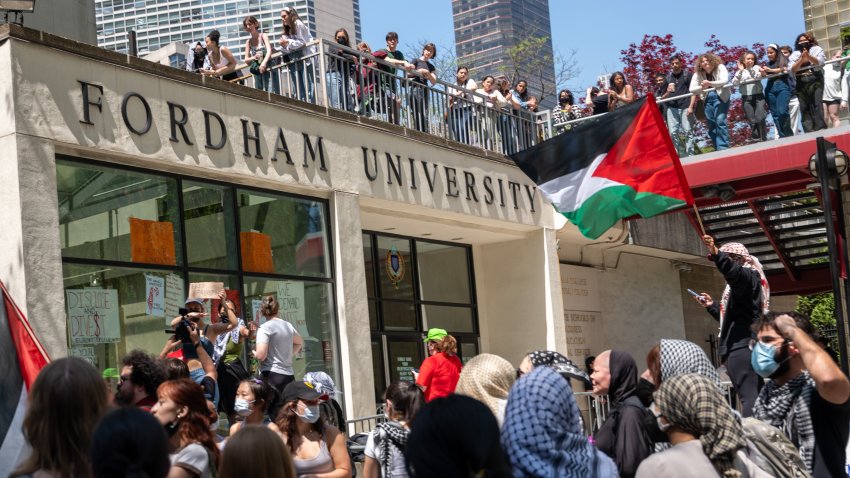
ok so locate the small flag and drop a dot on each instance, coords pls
(21, 359)
(615, 166)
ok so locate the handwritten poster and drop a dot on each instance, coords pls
(175, 296)
(85, 353)
(93, 316)
(155, 295)
(205, 290)
(290, 296)
(256, 305)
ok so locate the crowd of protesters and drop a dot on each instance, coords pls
(488, 418)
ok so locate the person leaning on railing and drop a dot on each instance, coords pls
(778, 90)
(620, 92)
(507, 117)
(295, 36)
(258, 55)
(834, 91)
(460, 105)
(367, 77)
(423, 72)
(752, 94)
(809, 81)
(388, 99)
(565, 111)
(222, 62)
(709, 81)
(494, 100)
(339, 73)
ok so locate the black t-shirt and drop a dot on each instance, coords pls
(744, 305)
(420, 64)
(683, 87)
(600, 104)
(832, 427)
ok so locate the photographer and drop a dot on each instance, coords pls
(194, 319)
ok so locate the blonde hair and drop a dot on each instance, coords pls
(258, 452)
(67, 400)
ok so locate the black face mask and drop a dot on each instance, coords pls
(802, 45)
(644, 391)
(563, 101)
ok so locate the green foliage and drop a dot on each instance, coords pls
(819, 307)
(531, 61)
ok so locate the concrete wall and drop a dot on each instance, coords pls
(72, 19)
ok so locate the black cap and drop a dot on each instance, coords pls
(301, 390)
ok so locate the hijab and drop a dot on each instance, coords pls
(559, 363)
(488, 378)
(679, 357)
(542, 433)
(624, 377)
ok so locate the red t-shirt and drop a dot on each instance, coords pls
(439, 374)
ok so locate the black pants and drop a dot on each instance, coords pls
(745, 380)
(277, 381)
(229, 376)
(810, 97)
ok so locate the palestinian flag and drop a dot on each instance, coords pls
(21, 359)
(614, 166)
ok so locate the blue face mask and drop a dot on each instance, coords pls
(763, 359)
(242, 407)
(311, 413)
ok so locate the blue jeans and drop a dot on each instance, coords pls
(268, 81)
(715, 114)
(461, 118)
(335, 90)
(301, 80)
(778, 95)
(197, 375)
(679, 124)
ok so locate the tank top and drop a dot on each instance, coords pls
(321, 463)
(222, 60)
(260, 48)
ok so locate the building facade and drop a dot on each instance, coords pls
(485, 30)
(825, 19)
(158, 23)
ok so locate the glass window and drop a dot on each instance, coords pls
(395, 268)
(282, 235)
(307, 306)
(369, 267)
(467, 351)
(210, 226)
(399, 315)
(113, 310)
(117, 215)
(378, 367)
(443, 272)
(453, 319)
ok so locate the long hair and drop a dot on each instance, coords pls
(66, 401)
(447, 344)
(292, 19)
(129, 442)
(347, 38)
(256, 452)
(287, 423)
(406, 398)
(810, 37)
(195, 426)
(713, 61)
(780, 61)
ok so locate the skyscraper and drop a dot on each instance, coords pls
(485, 30)
(159, 22)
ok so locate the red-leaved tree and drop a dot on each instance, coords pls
(641, 62)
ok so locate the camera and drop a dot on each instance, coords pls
(182, 329)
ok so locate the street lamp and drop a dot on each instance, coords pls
(17, 8)
(828, 165)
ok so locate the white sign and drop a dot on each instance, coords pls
(85, 353)
(582, 317)
(93, 316)
(175, 296)
(205, 290)
(155, 295)
(256, 305)
(290, 296)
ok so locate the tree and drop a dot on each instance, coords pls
(527, 61)
(641, 62)
(819, 307)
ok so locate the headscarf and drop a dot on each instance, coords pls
(693, 403)
(679, 357)
(559, 363)
(488, 378)
(750, 262)
(322, 382)
(542, 434)
(624, 377)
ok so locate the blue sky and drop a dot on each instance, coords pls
(599, 31)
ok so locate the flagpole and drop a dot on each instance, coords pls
(699, 220)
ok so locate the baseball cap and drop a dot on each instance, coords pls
(302, 390)
(111, 373)
(436, 334)
(194, 301)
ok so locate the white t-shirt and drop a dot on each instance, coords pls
(278, 334)
(375, 450)
(193, 458)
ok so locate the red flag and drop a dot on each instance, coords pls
(21, 359)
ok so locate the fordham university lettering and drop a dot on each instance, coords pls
(409, 172)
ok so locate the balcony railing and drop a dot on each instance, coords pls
(340, 78)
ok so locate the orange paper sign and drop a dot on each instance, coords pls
(152, 242)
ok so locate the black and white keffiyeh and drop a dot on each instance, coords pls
(679, 357)
(220, 346)
(788, 408)
(559, 363)
(393, 438)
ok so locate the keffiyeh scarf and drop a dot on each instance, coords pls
(220, 347)
(391, 433)
(679, 357)
(787, 407)
(559, 363)
(693, 403)
(542, 435)
(488, 378)
(750, 263)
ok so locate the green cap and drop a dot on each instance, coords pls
(436, 334)
(111, 373)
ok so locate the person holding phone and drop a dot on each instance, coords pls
(440, 372)
(745, 298)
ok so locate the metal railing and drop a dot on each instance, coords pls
(341, 78)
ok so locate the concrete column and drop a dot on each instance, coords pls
(31, 264)
(352, 306)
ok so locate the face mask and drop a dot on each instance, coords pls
(763, 360)
(661, 426)
(563, 101)
(242, 407)
(644, 391)
(214, 427)
(311, 413)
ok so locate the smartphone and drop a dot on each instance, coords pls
(415, 370)
(694, 293)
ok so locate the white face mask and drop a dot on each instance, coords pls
(242, 407)
(311, 413)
